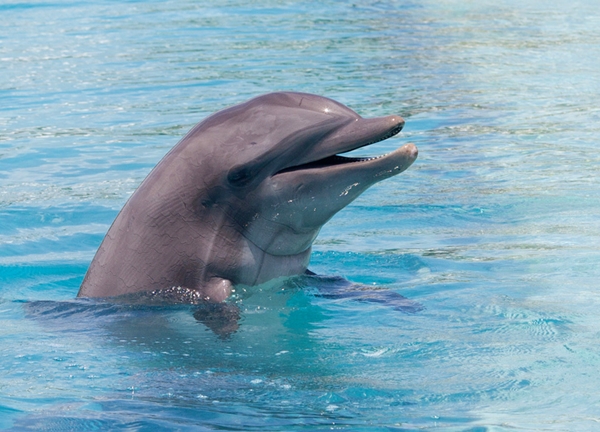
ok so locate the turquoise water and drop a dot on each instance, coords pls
(495, 229)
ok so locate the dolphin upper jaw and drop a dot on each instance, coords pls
(351, 135)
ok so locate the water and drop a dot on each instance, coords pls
(494, 230)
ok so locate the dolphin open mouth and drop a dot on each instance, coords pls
(329, 161)
(338, 159)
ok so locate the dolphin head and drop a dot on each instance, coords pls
(241, 198)
(285, 175)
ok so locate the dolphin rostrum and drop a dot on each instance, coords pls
(241, 198)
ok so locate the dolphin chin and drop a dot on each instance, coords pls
(241, 198)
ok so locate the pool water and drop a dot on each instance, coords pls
(494, 231)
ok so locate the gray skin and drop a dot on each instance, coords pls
(241, 198)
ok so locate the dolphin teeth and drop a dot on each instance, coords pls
(331, 161)
(367, 159)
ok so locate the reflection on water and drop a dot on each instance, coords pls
(493, 231)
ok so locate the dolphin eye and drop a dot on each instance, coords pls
(239, 176)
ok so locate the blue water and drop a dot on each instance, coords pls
(495, 229)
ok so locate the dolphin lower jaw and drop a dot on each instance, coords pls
(299, 200)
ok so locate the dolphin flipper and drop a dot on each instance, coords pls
(340, 288)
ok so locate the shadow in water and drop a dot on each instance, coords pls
(223, 319)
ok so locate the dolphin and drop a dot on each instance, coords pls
(241, 198)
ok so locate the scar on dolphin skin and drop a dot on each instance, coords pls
(241, 198)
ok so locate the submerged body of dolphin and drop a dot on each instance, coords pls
(241, 198)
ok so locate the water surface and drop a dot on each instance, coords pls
(494, 230)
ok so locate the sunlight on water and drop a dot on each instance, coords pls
(493, 232)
